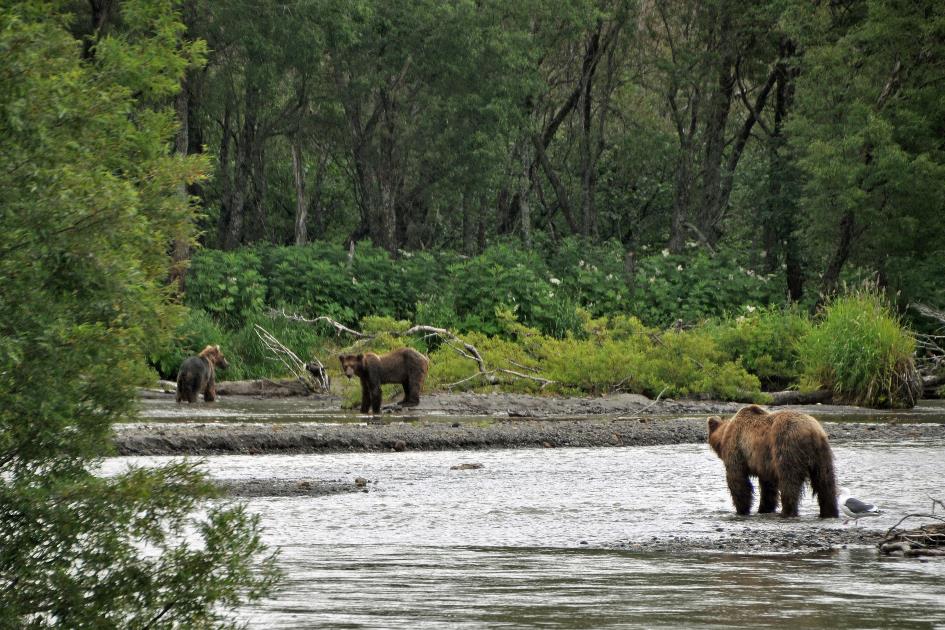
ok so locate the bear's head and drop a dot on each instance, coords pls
(715, 435)
(351, 364)
(215, 357)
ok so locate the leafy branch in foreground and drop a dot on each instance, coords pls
(90, 198)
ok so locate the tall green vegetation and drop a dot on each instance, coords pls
(90, 198)
(861, 352)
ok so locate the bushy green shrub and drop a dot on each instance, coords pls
(590, 275)
(313, 280)
(765, 340)
(631, 359)
(861, 351)
(507, 277)
(228, 285)
(696, 286)
(688, 363)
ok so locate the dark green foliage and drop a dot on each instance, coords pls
(227, 285)
(504, 277)
(765, 340)
(696, 286)
(89, 201)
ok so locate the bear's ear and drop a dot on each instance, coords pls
(714, 423)
(360, 357)
(755, 409)
(217, 347)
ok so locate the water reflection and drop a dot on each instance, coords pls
(435, 587)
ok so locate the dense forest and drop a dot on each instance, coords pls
(447, 162)
(793, 135)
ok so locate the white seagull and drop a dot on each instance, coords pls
(856, 509)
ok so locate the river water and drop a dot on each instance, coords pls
(528, 541)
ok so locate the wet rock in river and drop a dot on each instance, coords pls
(469, 466)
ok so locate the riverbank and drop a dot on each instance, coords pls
(795, 538)
(297, 438)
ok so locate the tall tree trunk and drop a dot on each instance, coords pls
(588, 163)
(779, 225)
(301, 206)
(720, 104)
(682, 189)
(560, 192)
(180, 253)
(524, 209)
(847, 233)
(469, 225)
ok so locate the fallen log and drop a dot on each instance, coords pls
(263, 387)
(792, 397)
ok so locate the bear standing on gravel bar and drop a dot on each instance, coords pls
(782, 449)
(197, 375)
(404, 365)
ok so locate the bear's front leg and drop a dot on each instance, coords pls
(769, 496)
(376, 399)
(210, 394)
(741, 489)
(365, 395)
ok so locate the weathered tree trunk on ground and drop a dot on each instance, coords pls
(791, 397)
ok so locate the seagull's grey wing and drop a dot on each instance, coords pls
(858, 507)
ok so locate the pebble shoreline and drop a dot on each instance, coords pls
(427, 435)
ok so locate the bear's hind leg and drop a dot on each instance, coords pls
(416, 382)
(791, 491)
(825, 487)
(741, 490)
(769, 496)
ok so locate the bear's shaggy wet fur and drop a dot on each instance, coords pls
(782, 449)
(197, 375)
(404, 365)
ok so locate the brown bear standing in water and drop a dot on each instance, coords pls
(197, 375)
(404, 365)
(783, 449)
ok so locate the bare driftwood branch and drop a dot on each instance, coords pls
(928, 311)
(930, 359)
(324, 319)
(640, 411)
(311, 375)
(926, 540)
(463, 348)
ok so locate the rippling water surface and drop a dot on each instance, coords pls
(519, 542)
